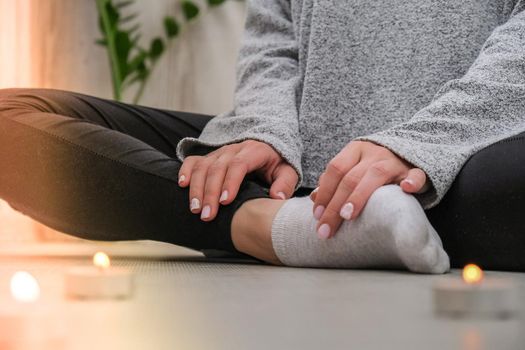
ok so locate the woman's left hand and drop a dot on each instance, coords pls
(352, 176)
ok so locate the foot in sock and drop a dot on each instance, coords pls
(391, 232)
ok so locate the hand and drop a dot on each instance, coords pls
(352, 176)
(216, 177)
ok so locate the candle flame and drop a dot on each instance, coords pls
(101, 260)
(24, 287)
(472, 274)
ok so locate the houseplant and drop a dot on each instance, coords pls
(131, 63)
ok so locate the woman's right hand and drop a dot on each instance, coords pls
(216, 177)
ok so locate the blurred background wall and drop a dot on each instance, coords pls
(51, 44)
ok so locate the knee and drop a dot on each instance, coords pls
(22, 99)
(7, 97)
(7, 94)
(11, 94)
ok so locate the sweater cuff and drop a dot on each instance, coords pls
(440, 163)
(189, 146)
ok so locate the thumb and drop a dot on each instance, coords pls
(284, 181)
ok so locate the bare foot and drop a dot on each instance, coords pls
(252, 228)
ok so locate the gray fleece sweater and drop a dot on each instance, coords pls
(433, 81)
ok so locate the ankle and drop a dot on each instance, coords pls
(252, 228)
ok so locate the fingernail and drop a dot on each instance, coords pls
(324, 231)
(281, 195)
(410, 181)
(181, 179)
(206, 212)
(318, 212)
(195, 204)
(224, 196)
(346, 211)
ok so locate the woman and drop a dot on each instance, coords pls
(340, 96)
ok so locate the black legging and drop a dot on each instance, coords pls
(105, 170)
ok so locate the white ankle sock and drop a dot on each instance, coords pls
(391, 232)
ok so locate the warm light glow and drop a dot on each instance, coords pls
(101, 260)
(16, 44)
(24, 287)
(472, 274)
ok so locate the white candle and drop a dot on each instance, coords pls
(475, 296)
(99, 281)
(25, 322)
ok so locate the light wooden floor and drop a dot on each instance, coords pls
(186, 302)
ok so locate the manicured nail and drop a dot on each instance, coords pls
(318, 212)
(410, 181)
(181, 179)
(281, 195)
(205, 212)
(324, 231)
(195, 204)
(224, 196)
(346, 211)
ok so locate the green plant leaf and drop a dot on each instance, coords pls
(122, 4)
(189, 9)
(156, 48)
(137, 61)
(171, 27)
(215, 2)
(128, 18)
(133, 29)
(141, 73)
(113, 15)
(133, 79)
(123, 48)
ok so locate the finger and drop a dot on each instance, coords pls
(313, 194)
(186, 169)
(415, 181)
(245, 161)
(331, 219)
(285, 180)
(198, 181)
(213, 187)
(237, 170)
(338, 167)
(377, 175)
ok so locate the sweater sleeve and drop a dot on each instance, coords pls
(265, 97)
(468, 114)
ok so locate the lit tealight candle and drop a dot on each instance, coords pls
(99, 281)
(474, 295)
(25, 322)
(24, 287)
